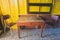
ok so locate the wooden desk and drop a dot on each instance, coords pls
(27, 22)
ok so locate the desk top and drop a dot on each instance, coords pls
(30, 19)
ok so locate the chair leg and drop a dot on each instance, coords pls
(11, 31)
(4, 26)
(18, 31)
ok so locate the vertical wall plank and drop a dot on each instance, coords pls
(5, 9)
(22, 7)
(14, 11)
(56, 9)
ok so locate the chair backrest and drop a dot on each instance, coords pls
(54, 17)
(6, 17)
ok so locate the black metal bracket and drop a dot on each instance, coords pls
(40, 4)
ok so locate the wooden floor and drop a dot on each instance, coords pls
(33, 34)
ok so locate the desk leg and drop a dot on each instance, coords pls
(18, 31)
(42, 28)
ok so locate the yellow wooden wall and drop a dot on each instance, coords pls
(5, 9)
(42, 8)
(40, 1)
(22, 7)
(56, 9)
(0, 6)
(22, 4)
(14, 12)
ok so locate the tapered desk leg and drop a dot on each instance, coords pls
(42, 29)
(18, 31)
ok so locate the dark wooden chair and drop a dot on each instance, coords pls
(6, 25)
(48, 21)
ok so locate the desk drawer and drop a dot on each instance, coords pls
(30, 23)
